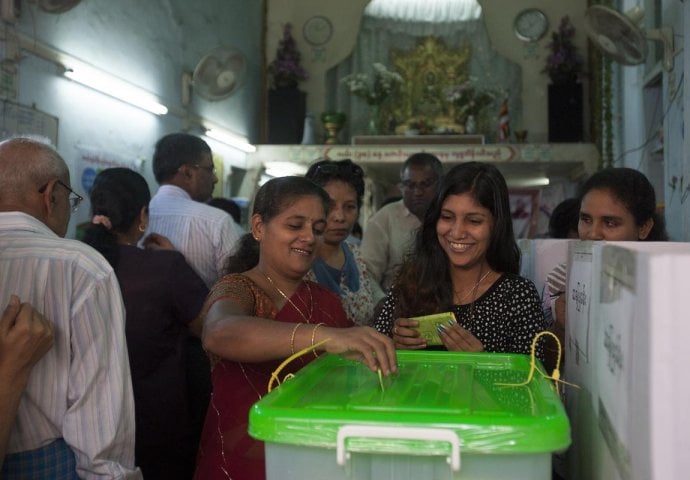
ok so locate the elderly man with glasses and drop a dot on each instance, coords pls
(390, 232)
(76, 416)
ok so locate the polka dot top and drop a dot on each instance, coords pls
(505, 319)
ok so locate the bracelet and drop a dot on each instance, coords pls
(292, 338)
(313, 335)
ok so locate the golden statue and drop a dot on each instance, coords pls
(428, 71)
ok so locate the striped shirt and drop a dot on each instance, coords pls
(388, 237)
(81, 390)
(205, 235)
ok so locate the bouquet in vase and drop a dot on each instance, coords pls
(467, 100)
(374, 89)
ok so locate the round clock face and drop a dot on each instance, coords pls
(531, 25)
(317, 30)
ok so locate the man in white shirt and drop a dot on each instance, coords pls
(390, 232)
(205, 235)
(76, 417)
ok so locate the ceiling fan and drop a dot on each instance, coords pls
(217, 75)
(621, 37)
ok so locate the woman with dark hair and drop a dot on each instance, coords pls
(466, 261)
(616, 204)
(163, 297)
(619, 204)
(564, 219)
(339, 265)
(262, 312)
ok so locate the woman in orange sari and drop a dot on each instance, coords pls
(257, 318)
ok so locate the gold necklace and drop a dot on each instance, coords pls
(282, 294)
(473, 289)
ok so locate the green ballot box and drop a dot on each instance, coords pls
(444, 415)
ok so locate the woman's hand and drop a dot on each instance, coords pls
(406, 335)
(363, 344)
(155, 241)
(458, 339)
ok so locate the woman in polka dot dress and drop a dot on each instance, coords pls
(465, 260)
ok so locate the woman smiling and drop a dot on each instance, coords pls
(465, 261)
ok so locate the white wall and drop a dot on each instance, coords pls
(149, 44)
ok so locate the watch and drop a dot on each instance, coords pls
(317, 30)
(531, 24)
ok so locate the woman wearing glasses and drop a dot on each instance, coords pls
(339, 265)
(163, 297)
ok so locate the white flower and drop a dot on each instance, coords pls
(375, 90)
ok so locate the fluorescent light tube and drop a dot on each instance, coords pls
(231, 139)
(284, 169)
(115, 88)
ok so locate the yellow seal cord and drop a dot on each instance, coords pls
(555, 375)
(274, 375)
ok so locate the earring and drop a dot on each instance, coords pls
(142, 227)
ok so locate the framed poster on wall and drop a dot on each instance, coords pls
(524, 209)
(16, 119)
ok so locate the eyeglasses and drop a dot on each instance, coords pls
(209, 168)
(423, 185)
(345, 167)
(74, 200)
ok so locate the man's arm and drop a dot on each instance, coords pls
(25, 336)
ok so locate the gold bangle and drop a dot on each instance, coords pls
(292, 338)
(313, 335)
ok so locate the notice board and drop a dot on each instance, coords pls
(16, 119)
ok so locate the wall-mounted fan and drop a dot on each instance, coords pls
(217, 75)
(56, 6)
(620, 36)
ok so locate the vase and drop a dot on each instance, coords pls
(565, 112)
(286, 111)
(374, 126)
(470, 125)
(332, 122)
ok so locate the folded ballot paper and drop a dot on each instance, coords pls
(428, 326)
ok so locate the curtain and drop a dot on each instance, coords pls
(378, 36)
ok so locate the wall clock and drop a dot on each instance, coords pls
(317, 30)
(531, 24)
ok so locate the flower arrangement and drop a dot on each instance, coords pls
(285, 70)
(375, 89)
(563, 64)
(467, 99)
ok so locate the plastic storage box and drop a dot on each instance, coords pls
(443, 416)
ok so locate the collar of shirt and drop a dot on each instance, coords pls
(20, 221)
(173, 191)
(404, 209)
